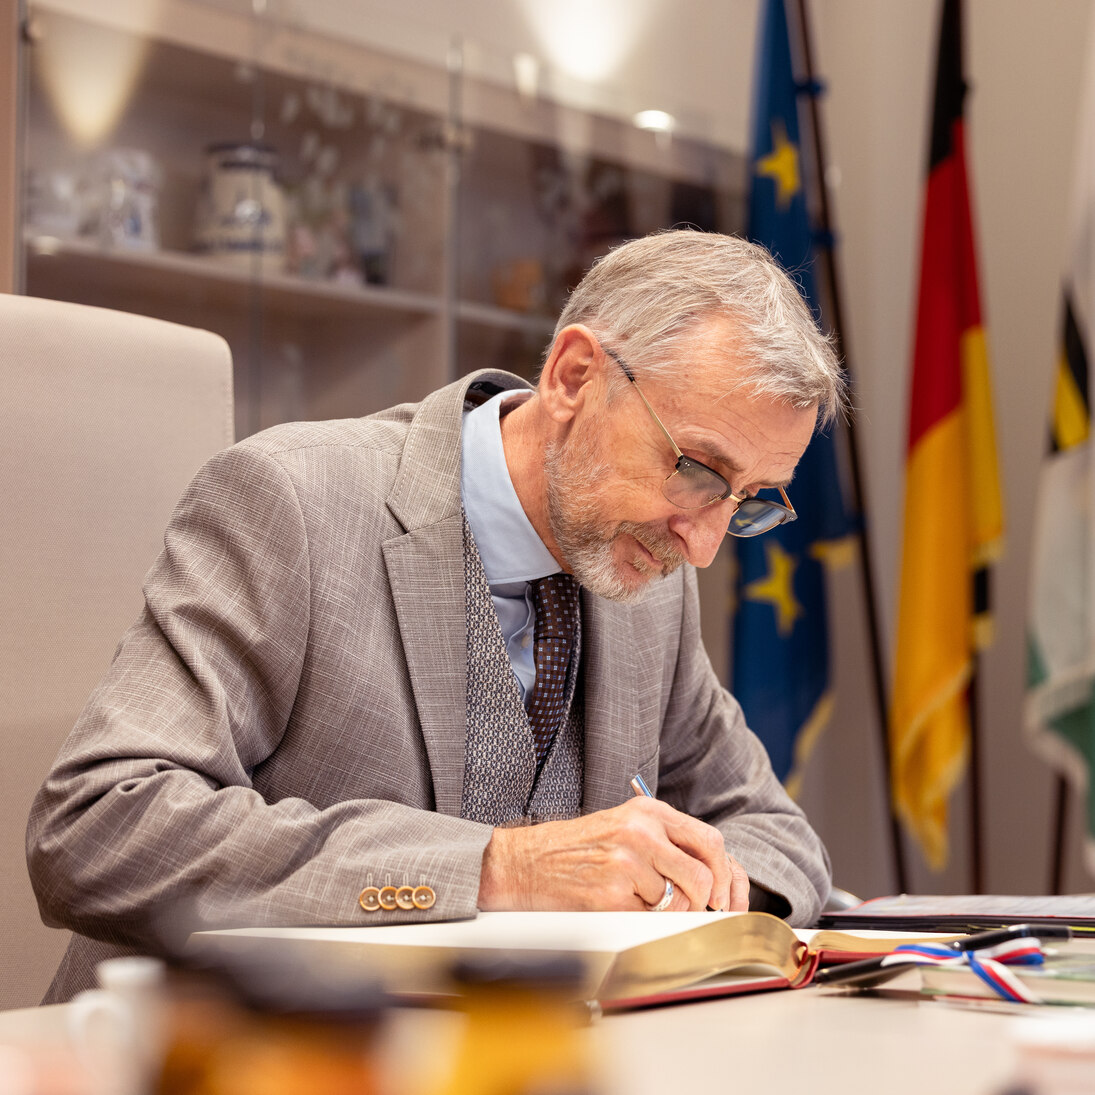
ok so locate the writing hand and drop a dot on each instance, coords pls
(615, 859)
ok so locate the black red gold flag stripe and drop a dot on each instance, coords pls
(953, 513)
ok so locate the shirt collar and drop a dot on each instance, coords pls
(508, 545)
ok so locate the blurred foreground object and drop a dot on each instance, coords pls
(523, 1028)
(1056, 1054)
(271, 1029)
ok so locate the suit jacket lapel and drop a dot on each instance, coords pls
(426, 575)
(621, 700)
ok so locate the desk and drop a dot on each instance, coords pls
(816, 1040)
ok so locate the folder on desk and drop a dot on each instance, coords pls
(630, 959)
(965, 912)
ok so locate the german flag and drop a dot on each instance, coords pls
(953, 524)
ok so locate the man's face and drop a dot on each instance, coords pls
(614, 527)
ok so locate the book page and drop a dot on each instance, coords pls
(577, 932)
(867, 940)
(622, 953)
(607, 932)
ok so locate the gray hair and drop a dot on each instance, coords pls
(646, 297)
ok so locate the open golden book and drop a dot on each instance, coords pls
(630, 959)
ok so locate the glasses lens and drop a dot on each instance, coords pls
(757, 515)
(694, 485)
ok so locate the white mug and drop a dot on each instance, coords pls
(117, 1029)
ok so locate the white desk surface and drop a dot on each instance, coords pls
(816, 1040)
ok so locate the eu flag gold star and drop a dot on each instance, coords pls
(776, 588)
(781, 165)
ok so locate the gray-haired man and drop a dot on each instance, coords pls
(335, 708)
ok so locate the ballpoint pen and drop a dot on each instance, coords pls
(873, 971)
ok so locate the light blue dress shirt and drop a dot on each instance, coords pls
(513, 554)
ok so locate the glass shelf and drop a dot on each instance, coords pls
(67, 268)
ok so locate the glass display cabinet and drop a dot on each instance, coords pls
(361, 224)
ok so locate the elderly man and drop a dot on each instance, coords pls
(405, 667)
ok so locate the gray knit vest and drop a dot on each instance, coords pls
(501, 783)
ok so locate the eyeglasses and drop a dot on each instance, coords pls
(692, 485)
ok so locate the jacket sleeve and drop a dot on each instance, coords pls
(149, 821)
(712, 766)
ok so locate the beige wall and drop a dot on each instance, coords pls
(692, 58)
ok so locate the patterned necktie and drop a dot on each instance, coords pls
(555, 599)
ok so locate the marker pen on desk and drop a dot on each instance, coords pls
(638, 785)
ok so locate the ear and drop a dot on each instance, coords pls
(572, 374)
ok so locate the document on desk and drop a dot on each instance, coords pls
(629, 959)
(965, 912)
(1063, 978)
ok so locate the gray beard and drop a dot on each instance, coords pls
(586, 542)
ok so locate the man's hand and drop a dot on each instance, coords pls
(613, 859)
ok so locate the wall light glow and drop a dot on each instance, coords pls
(526, 74)
(587, 41)
(656, 120)
(89, 73)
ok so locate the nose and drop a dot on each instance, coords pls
(703, 530)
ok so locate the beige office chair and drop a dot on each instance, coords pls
(104, 418)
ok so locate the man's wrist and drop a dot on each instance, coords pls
(497, 884)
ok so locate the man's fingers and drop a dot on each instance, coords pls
(654, 867)
(703, 845)
(739, 886)
(613, 859)
(691, 877)
(654, 893)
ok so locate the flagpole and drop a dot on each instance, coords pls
(977, 873)
(1060, 808)
(865, 559)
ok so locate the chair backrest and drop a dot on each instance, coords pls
(104, 418)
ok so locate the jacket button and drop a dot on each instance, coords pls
(424, 897)
(404, 897)
(387, 898)
(369, 899)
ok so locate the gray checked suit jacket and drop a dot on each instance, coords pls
(284, 724)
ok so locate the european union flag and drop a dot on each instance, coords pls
(780, 670)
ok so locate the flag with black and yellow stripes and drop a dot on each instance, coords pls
(1060, 707)
(953, 523)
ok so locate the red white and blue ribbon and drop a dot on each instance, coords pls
(990, 964)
